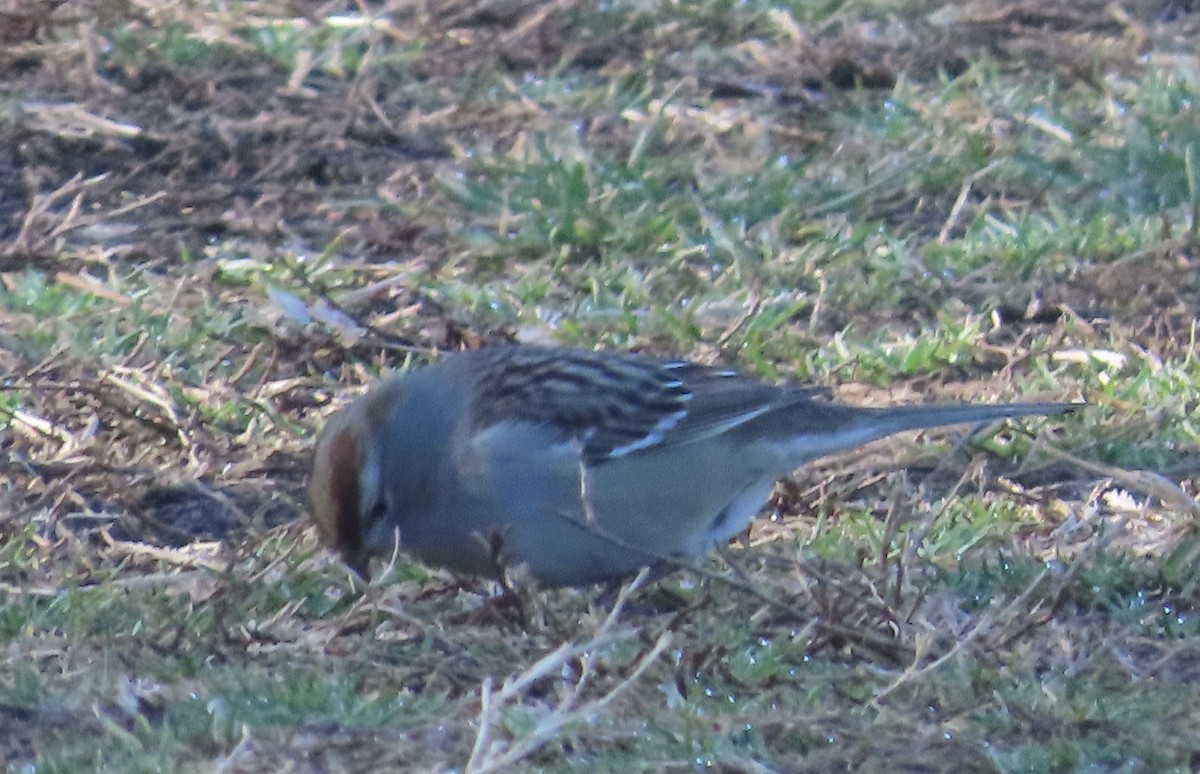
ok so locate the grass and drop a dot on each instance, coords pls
(903, 201)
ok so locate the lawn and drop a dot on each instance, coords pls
(221, 221)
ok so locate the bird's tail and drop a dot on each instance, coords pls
(897, 419)
(839, 427)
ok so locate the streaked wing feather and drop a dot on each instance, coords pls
(608, 404)
(616, 405)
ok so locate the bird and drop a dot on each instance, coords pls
(583, 466)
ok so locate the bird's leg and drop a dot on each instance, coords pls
(610, 590)
(512, 595)
(733, 564)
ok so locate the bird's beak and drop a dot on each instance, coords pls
(360, 561)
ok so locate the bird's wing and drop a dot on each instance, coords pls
(615, 405)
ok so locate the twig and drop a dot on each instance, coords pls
(384, 338)
(489, 756)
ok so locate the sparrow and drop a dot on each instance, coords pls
(583, 466)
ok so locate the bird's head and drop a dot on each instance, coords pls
(344, 486)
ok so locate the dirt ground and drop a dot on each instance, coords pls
(106, 168)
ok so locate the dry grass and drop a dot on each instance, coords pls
(220, 221)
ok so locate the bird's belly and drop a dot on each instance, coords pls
(557, 546)
(571, 527)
